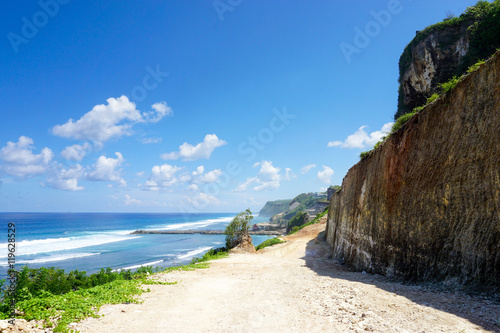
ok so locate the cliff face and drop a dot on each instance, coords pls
(274, 207)
(426, 204)
(434, 60)
(444, 50)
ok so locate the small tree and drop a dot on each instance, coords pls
(238, 228)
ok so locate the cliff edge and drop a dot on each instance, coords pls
(426, 204)
(444, 50)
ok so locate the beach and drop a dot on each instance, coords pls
(293, 287)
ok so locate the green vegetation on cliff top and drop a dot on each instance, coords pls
(403, 119)
(482, 22)
(274, 207)
(484, 25)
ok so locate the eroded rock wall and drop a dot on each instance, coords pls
(426, 204)
(434, 61)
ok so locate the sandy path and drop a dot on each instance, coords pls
(292, 287)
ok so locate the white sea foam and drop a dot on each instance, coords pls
(30, 247)
(192, 253)
(141, 265)
(194, 225)
(59, 257)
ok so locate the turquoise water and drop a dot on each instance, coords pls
(91, 241)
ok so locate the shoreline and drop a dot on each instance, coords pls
(202, 232)
(293, 286)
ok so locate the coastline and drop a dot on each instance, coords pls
(292, 287)
(289, 287)
(201, 232)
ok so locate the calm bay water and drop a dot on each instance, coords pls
(91, 241)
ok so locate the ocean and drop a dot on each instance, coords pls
(91, 241)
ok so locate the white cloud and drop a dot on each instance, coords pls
(151, 140)
(19, 160)
(65, 179)
(210, 177)
(193, 187)
(289, 175)
(185, 178)
(113, 120)
(202, 200)
(268, 178)
(202, 150)
(129, 201)
(162, 176)
(160, 110)
(103, 122)
(107, 169)
(361, 139)
(325, 175)
(307, 168)
(199, 170)
(76, 152)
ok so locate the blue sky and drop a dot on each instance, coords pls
(194, 106)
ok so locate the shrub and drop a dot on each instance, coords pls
(449, 85)
(365, 154)
(212, 254)
(316, 219)
(432, 98)
(401, 121)
(269, 242)
(298, 220)
(238, 228)
(475, 66)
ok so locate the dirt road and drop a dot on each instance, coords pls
(292, 287)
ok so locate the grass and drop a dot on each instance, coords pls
(40, 299)
(269, 242)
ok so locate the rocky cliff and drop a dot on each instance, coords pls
(426, 204)
(274, 207)
(444, 50)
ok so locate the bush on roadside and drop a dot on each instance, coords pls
(269, 242)
(238, 228)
